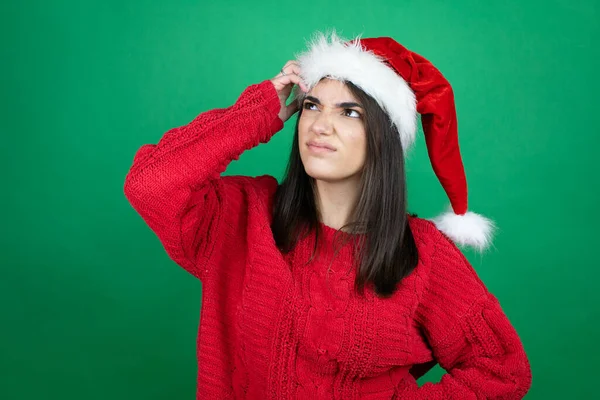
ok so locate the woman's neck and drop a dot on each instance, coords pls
(335, 201)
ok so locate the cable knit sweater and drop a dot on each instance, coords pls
(273, 326)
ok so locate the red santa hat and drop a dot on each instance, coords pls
(404, 83)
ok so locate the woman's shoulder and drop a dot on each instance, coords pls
(425, 233)
(439, 257)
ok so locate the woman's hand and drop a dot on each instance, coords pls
(284, 84)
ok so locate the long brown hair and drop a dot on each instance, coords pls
(386, 251)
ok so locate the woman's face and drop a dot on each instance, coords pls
(330, 118)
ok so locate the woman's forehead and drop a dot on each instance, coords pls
(332, 91)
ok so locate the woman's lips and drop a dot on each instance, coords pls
(318, 149)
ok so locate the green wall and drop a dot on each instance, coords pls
(92, 307)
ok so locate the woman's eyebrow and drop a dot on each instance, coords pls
(346, 104)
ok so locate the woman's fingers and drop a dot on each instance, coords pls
(293, 74)
(293, 78)
(291, 65)
(289, 75)
(289, 79)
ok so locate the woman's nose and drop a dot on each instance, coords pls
(323, 124)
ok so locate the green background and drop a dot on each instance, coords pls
(92, 307)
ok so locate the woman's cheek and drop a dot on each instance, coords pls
(359, 149)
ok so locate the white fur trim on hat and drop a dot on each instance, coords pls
(342, 60)
(469, 229)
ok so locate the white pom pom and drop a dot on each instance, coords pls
(469, 229)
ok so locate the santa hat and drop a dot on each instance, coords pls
(404, 83)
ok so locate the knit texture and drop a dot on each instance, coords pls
(277, 326)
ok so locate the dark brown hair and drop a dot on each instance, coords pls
(385, 251)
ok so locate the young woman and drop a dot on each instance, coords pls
(323, 286)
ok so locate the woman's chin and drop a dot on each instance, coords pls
(328, 171)
(322, 174)
(329, 174)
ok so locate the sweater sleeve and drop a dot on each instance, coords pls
(470, 336)
(176, 184)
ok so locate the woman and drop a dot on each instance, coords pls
(324, 287)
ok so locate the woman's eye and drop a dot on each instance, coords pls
(308, 105)
(349, 110)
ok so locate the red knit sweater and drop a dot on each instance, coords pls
(274, 327)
